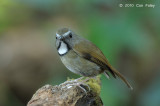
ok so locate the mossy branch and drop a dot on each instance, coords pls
(70, 93)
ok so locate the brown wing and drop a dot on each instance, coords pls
(89, 51)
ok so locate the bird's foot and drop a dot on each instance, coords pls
(82, 85)
(79, 78)
(83, 82)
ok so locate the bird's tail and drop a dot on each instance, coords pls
(112, 70)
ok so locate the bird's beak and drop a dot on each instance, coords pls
(59, 36)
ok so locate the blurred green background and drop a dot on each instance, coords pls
(129, 38)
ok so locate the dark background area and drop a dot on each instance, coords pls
(129, 38)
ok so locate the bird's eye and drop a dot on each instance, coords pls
(70, 35)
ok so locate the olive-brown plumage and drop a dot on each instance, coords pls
(82, 56)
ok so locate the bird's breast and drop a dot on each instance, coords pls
(79, 65)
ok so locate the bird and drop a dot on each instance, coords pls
(82, 57)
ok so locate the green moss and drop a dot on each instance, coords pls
(70, 79)
(95, 85)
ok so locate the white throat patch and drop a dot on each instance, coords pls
(63, 48)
